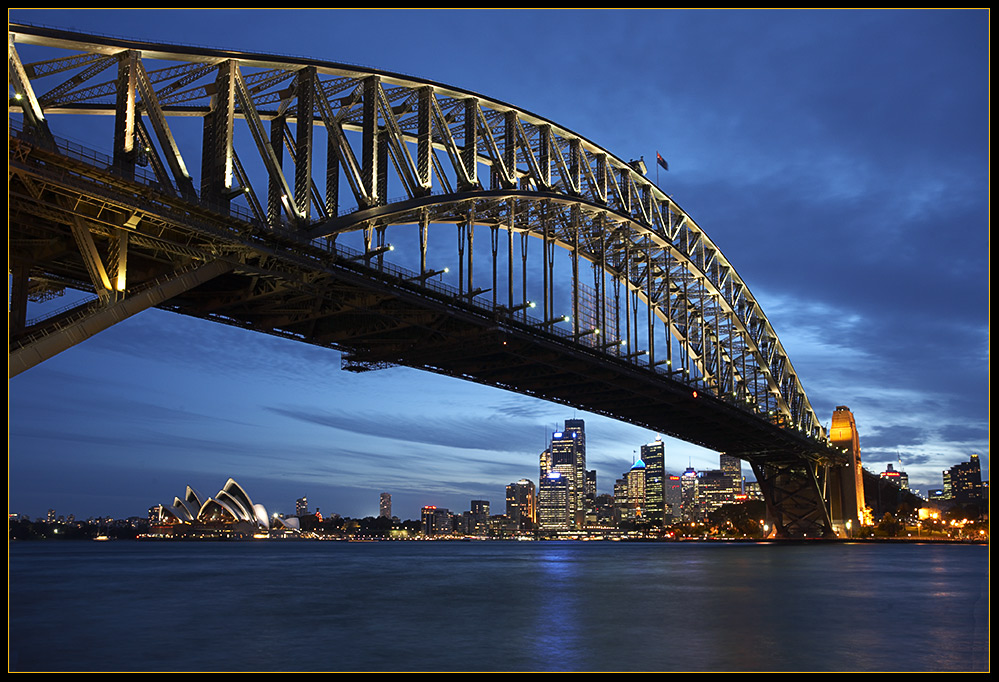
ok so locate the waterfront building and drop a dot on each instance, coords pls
(966, 481)
(385, 506)
(621, 495)
(731, 466)
(899, 478)
(752, 489)
(435, 521)
(302, 506)
(714, 490)
(689, 503)
(155, 514)
(521, 504)
(478, 517)
(568, 457)
(654, 507)
(672, 497)
(230, 513)
(636, 488)
(554, 506)
(544, 464)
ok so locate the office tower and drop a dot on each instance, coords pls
(654, 509)
(689, 504)
(732, 467)
(554, 511)
(636, 487)
(621, 495)
(435, 521)
(966, 481)
(544, 464)
(385, 506)
(521, 504)
(578, 428)
(478, 517)
(302, 506)
(714, 490)
(672, 496)
(155, 514)
(591, 484)
(568, 457)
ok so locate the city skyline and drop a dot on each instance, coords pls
(861, 152)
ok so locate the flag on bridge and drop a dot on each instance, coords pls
(661, 161)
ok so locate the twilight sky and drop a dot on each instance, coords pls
(838, 158)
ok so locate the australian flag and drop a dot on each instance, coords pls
(661, 161)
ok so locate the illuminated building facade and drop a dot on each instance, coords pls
(654, 508)
(568, 457)
(436, 521)
(899, 478)
(521, 504)
(672, 497)
(385, 506)
(690, 509)
(636, 489)
(544, 464)
(714, 490)
(732, 467)
(847, 483)
(554, 511)
(966, 481)
(229, 513)
(302, 506)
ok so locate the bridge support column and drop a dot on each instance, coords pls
(795, 503)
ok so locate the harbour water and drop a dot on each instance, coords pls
(496, 606)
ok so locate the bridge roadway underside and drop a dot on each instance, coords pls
(279, 283)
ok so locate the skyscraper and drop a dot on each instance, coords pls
(673, 497)
(654, 456)
(302, 506)
(568, 457)
(544, 464)
(435, 521)
(521, 504)
(554, 512)
(732, 467)
(636, 489)
(966, 481)
(385, 506)
(690, 504)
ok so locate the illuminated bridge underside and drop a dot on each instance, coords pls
(571, 277)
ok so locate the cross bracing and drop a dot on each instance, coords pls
(333, 157)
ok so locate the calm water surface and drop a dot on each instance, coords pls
(553, 606)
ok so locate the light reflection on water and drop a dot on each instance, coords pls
(496, 606)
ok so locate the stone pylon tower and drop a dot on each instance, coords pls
(847, 483)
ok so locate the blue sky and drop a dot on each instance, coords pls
(838, 158)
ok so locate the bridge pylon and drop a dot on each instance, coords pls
(846, 483)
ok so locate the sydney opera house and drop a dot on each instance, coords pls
(230, 513)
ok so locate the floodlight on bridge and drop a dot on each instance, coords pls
(423, 277)
(517, 308)
(556, 320)
(372, 253)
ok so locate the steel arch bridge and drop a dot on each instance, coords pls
(329, 198)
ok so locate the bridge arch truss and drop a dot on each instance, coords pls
(539, 226)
